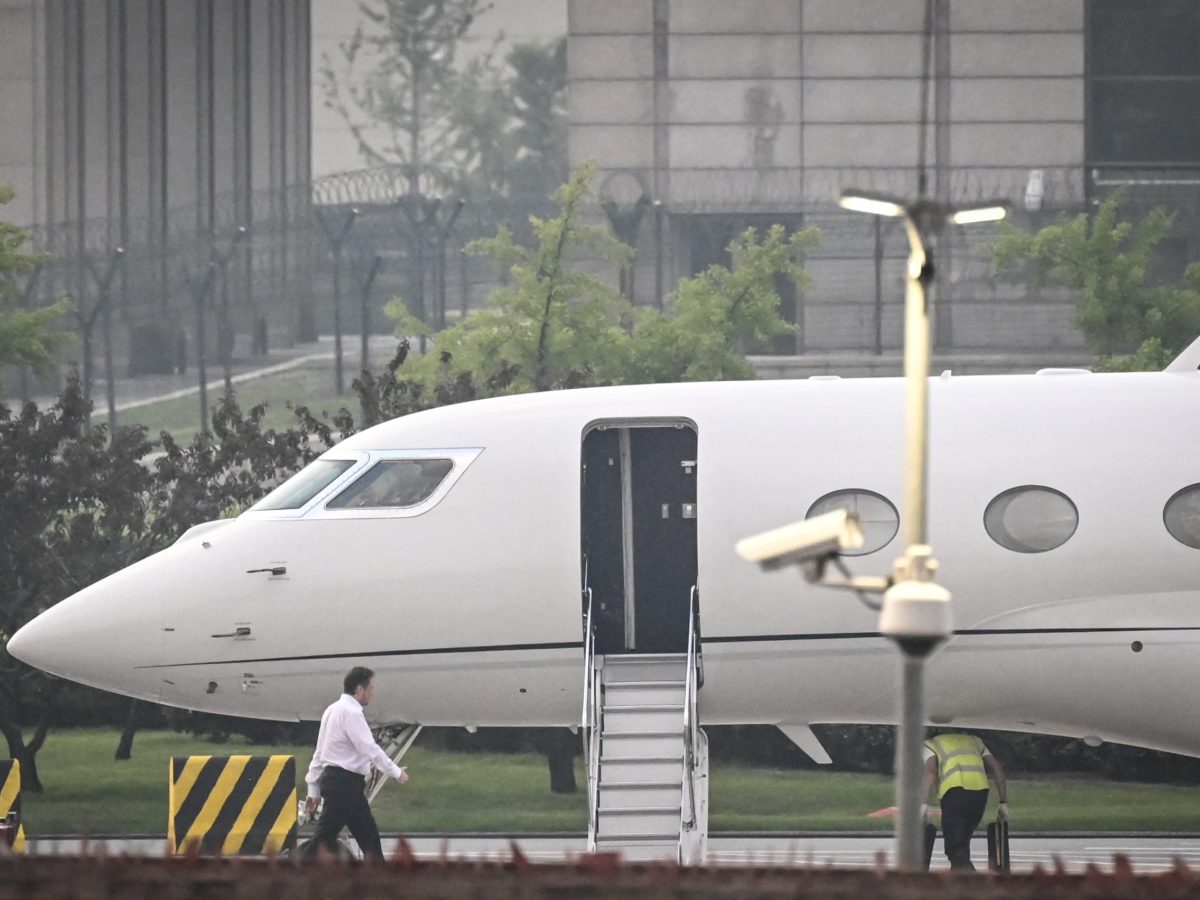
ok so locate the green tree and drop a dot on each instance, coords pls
(398, 86)
(1128, 320)
(538, 91)
(28, 337)
(476, 128)
(555, 324)
(551, 325)
(71, 512)
(715, 314)
(78, 504)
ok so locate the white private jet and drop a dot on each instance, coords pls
(447, 550)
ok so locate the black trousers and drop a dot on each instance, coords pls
(345, 807)
(962, 811)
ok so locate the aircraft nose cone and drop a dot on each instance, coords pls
(59, 643)
(27, 644)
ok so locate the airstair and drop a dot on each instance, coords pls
(647, 759)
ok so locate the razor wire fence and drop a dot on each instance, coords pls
(276, 287)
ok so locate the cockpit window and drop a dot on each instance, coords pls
(304, 485)
(1182, 516)
(394, 483)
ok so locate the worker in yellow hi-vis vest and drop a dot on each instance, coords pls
(959, 764)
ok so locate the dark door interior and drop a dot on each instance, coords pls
(649, 572)
(603, 553)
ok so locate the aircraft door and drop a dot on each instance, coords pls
(639, 534)
(603, 549)
(664, 529)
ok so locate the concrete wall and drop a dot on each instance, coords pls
(788, 94)
(160, 126)
(735, 108)
(506, 23)
(21, 86)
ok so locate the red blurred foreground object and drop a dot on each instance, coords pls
(590, 877)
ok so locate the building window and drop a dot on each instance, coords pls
(877, 515)
(1181, 515)
(1031, 519)
(1144, 81)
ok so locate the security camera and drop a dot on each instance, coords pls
(809, 544)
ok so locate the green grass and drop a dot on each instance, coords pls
(747, 798)
(87, 792)
(310, 386)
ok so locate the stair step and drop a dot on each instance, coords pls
(647, 769)
(641, 847)
(651, 683)
(626, 658)
(623, 669)
(641, 719)
(671, 840)
(648, 743)
(636, 693)
(660, 820)
(618, 785)
(625, 795)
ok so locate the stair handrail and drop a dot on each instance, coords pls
(590, 721)
(692, 683)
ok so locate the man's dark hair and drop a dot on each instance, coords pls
(359, 676)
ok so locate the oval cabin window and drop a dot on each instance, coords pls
(878, 516)
(1181, 515)
(1031, 519)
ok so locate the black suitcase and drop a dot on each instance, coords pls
(997, 838)
(930, 837)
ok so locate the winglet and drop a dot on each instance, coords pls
(802, 736)
(1188, 360)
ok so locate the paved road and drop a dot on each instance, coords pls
(1148, 854)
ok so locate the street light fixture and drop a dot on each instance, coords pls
(916, 610)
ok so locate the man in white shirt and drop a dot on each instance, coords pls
(345, 753)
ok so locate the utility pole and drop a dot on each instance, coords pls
(200, 287)
(916, 610)
(366, 267)
(443, 231)
(336, 235)
(87, 325)
(225, 328)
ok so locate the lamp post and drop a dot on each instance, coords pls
(225, 329)
(659, 209)
(337, 237)
(443, 232)
(200, 286)
(367, 264)
(421, 213)
(626, 221)
(916, 610)
(87, 325)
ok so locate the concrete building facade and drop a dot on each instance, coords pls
(728, 114)
(164, 129)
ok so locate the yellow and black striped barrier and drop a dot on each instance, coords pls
(10, 798)
(232, 804)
